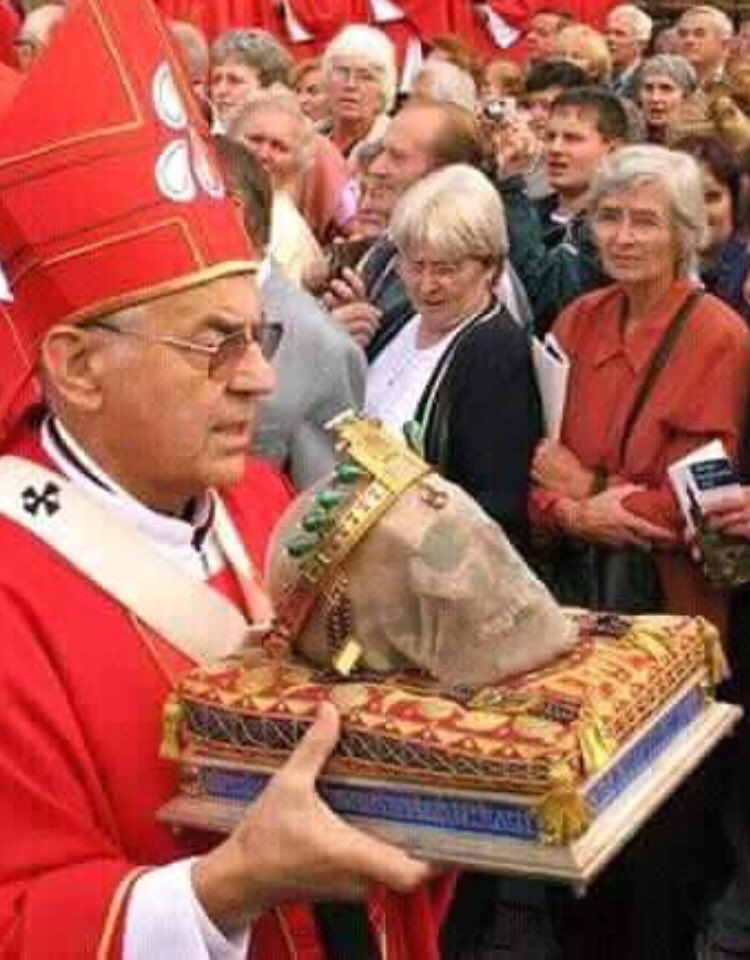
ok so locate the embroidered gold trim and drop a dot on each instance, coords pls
(158, 290)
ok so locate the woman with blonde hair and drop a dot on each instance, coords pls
(457, 375)
(587, 48)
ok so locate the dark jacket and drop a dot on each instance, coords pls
(555, 263)
(386, 290)
(480, 417)
(725, 275)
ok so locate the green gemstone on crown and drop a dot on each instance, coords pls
(317, 521)
(302, 545)
(329, 499)
(348, 473)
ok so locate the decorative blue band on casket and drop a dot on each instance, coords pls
(465, 814)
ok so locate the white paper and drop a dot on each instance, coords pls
(552, 367)
(5, 292)
(500, 30)
(297, 32)
(707, 475)
(386, 11)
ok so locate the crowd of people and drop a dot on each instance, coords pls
(418, 220)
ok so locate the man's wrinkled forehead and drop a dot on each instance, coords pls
(228, 302)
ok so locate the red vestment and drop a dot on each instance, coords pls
(80, 777)
(323, 19)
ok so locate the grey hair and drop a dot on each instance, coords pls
(372, 47)
(258, 50)
(275, 99)
(449, 84)
(724, 26)
(670, 65)
(455, 212)
(677, 172)
(640, 22)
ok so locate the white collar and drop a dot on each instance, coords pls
(264, 271)
(191, 543)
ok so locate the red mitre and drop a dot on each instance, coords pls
(109, 191)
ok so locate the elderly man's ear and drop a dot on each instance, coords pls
(73, 366)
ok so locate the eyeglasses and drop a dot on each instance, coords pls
(223, 357)
(643, 224)
(441, 270)
(357, 75)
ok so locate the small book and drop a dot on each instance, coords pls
(552, 367)
(702, 479)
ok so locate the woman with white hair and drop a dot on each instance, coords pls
(359, 69)
(457, 376)
(273, 128)
(658, 368)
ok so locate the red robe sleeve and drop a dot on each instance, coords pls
(61, 867)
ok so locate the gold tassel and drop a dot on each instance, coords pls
(597, 746)
(172, 716)
(563, 814)
(716, 661)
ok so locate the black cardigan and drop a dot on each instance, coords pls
(481, 419)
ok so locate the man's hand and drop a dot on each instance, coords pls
(604, 519)
(557, 468)
(515, 146)
(346, 288)
(291, 846)
(361, 319)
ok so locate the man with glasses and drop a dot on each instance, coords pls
(133, 357)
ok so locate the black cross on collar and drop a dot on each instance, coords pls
(48, 498)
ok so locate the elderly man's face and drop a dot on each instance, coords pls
(542, 37)
(274, 138)
(172, 428)
(354, 90)
(230, 85)
(408, 148)
(621, 40)
(700, 42)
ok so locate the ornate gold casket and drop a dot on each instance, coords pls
(445, 748)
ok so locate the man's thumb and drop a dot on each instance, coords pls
(315, 748)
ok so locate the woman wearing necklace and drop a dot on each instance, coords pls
(458, 374)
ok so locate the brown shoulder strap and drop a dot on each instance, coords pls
(658, 362)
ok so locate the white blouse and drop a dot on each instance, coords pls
(400, 373)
